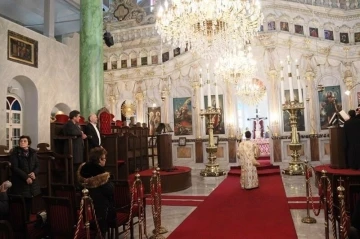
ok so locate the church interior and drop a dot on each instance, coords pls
(175, 85)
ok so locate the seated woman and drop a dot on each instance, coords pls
(248, 152)
(25, 166)
(101, 190)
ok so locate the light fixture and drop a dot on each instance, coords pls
(347, 92)
(236, 66)
(251, 91)
(208, 27)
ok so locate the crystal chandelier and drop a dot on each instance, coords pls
(236, 66)
(208, 26)
(251, 91)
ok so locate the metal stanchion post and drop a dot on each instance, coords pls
(343, 215)
(307, 219)
(326, 209)
(156, 205)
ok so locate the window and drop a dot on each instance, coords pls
(13, 121)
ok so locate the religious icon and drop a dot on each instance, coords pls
(154, 59)
(299, 29)
(313, 32)
(284, 26)
(219, 119)
(329, 35)
(182, 116)
(261, 28)
(113, 65)
(357, 36)
(133, 62)
(144, 61)
(358, 97)
(154, 118)
(271, 26)
(330, 103)
(344, 37)
(165, 56)
(123, 63)
(177, 51)
(300, 113)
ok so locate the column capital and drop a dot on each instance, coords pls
(273, 74)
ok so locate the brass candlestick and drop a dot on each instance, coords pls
(211, 168)
(296, 166)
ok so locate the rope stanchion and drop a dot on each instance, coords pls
(155, 190)
(325, 199)
(137, 195)
(87, 202)
(307, 219)
(343, 216)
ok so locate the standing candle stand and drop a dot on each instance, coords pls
(211, 168)
(296, 166)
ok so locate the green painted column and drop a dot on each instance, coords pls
(91, 57)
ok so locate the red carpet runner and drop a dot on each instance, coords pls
(232, 213)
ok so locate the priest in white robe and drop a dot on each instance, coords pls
(248, 152)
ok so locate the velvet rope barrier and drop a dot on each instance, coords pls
(86, 202)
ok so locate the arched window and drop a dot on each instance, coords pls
(13, 121)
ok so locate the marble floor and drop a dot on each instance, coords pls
(172, 216)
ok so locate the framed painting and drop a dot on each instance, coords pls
(144, 61)
(216, 140)
(300, 113)
(284, 26)
(344, 37)
(329, 102)
(219, 119)
(114, 65)
(329, 35)
(313, 32)
(165, 57)
(357, 36)
(154, 59)
(299, 29)
(182, 116)
(182, 141)
(123, 63)
(176, 51)
(133, 62)
(22, 49)
(154, 119)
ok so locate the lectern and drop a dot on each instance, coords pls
(337, 147)
(164, 150)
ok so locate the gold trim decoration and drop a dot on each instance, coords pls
(22, 49)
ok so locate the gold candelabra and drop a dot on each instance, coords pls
(211, 168)
(296, 166)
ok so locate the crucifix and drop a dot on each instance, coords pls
(258, 125)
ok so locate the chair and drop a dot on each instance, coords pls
(61, 220)
(5, 171)
(67, 191)
(22, 228)
(6, 231)
(105, 120)
(122, 197)
(43, 148)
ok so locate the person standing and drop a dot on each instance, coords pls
(101, 190)
(92, 130)
(72, 128)
(352, 141)
(247, 153)
(25, 166)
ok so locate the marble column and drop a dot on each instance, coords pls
(139, 108)
(91, 57)
(49, 18)
(309, 76)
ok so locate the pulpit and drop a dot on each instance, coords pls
(337, 147)
(164, 150)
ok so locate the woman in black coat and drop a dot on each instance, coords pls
(25, 166)
(101, 190)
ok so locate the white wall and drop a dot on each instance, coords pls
(56, 80)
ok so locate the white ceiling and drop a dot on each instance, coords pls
(30, 13)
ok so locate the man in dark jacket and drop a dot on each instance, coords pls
(352, 141)
(101, 190)
(25, 166)
(72, 128)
